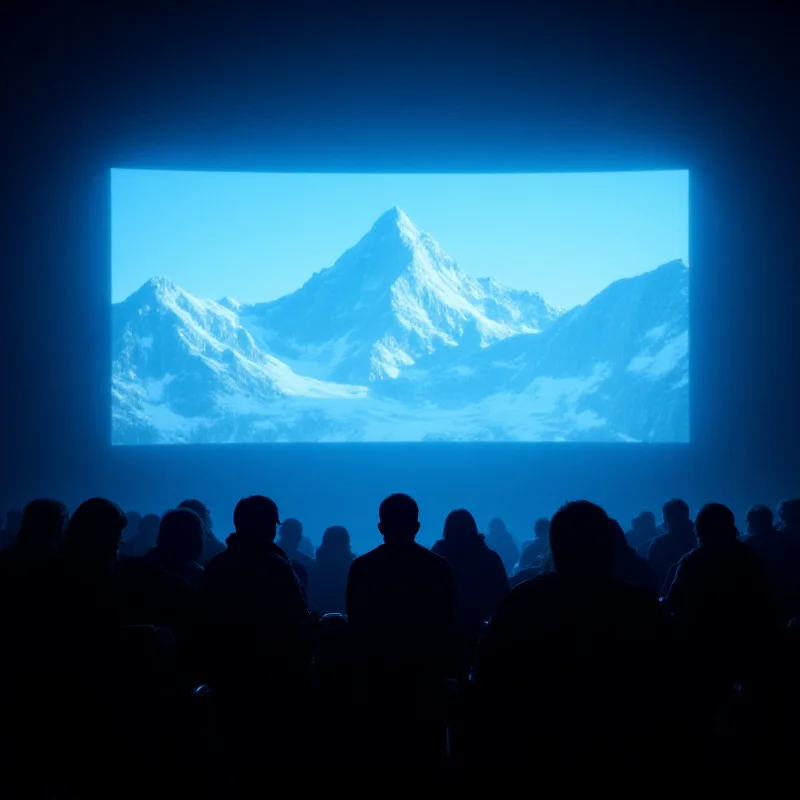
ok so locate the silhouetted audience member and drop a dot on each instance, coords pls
(149, 594)
(211, 545)
(252, 601)
(37, 540)
(179, 545)
(290, 536)
(480, 578)
(567, 665)
(722, 585)
(329, 572)
(671, 546)
(643, 531)
(722, 599)
(781, 558)
(81, 590)
(628, 565)
(401, 607)
(543, 559)
(140, 544)
(257, 640)
(502, 542)
(401, 596)
(57, 648)
(81, 593)
(25, 576)
(533, 554)
(759, 521)
(79, 635)
(93, 536)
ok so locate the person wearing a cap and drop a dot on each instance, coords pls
(255, 635)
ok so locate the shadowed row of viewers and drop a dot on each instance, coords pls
(209, 667)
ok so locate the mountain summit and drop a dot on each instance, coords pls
(394, 298)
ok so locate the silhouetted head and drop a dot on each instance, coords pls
(399, 518)
(789, 514)
(715, 524)
(201, 509)
(148, 529)
(256, 517)
(460, 527)
(94, 531)
(646, 521)
(760, 519)
(498, 528)
(676, 514)
(335, 543)
(542, 528)
(290, 534)
(180, 535)
(581, 540)
(43, 525)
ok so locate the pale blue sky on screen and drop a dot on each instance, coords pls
(258, 236)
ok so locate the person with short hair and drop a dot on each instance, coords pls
(566, 660)
(251, 598)
(257, 637)
(401, 609)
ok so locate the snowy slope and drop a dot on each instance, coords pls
(180, 363)
(631, 339)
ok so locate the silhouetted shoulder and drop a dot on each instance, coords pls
(217, 561)
(534, 587)
(368, 558)
(543, 591)
(413, 550)
(494, 559)
(436, 561)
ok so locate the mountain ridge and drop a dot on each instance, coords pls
(390, 299)
(433, 354)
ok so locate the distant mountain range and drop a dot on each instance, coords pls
(395, 342)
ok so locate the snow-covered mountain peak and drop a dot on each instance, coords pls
(393, 298)
(395, 219)
(157, 288)
(677, 264)
(395, 232)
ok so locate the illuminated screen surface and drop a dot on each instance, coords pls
(272, 307)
